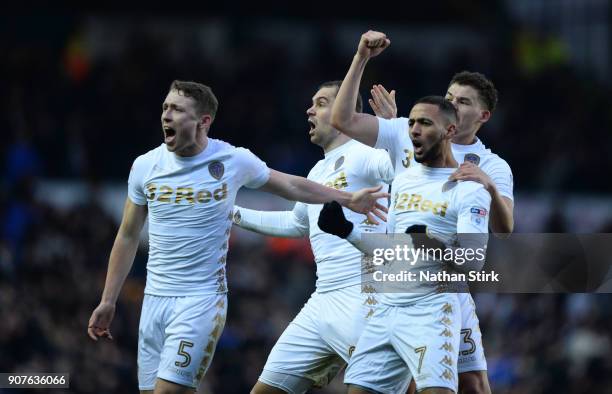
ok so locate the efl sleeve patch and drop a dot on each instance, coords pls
(478, 211)
(478, 215)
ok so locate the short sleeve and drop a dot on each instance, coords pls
(135, 182)
(393, 137)
(378, 166)
(255, 172)
(501, 175)
(474, 211)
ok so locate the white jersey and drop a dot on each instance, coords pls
(350, 167)
(424, 196)
(393, 137)
(190, 202)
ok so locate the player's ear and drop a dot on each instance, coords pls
(451, 130)
(205, 122)
(485, 116)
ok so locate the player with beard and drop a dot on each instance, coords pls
(319, 341)
(187, 187)
(414, 332)
(475, 98)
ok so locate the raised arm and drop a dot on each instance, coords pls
(285, 224)
(119, 265)
(359, 126)
(296, 188)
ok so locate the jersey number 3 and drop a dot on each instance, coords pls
(467, 338)
(406, 161)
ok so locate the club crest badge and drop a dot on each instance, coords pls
(339, 163)
(471, 158)
(216, 169)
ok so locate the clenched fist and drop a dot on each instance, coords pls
(372, 44)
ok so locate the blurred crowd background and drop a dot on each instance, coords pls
(82, 96)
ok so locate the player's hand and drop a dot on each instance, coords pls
(471, 172)
(383, 102)
(100, 321)
(372, 43)
(332, 220)
(366, 201)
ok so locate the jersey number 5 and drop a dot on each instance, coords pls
(182, 352)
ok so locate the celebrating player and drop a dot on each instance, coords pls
(187, 187)
(475, 98)
(320, 338)
(415, 332)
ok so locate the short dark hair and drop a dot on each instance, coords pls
(336, 84)
(445, 106)
(485, 88)
(206, 102)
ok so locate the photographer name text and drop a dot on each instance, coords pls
(436, 276)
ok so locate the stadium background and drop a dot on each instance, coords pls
(82, 93)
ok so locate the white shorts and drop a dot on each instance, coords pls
(401, 342)
(471, 351)
(177, 338)
(319, 341)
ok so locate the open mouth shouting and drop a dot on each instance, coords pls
(418, 147)
(312, 125)
(169, 135)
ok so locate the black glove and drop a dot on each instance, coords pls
(416, 229)
(420, 237)
(333, 221)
